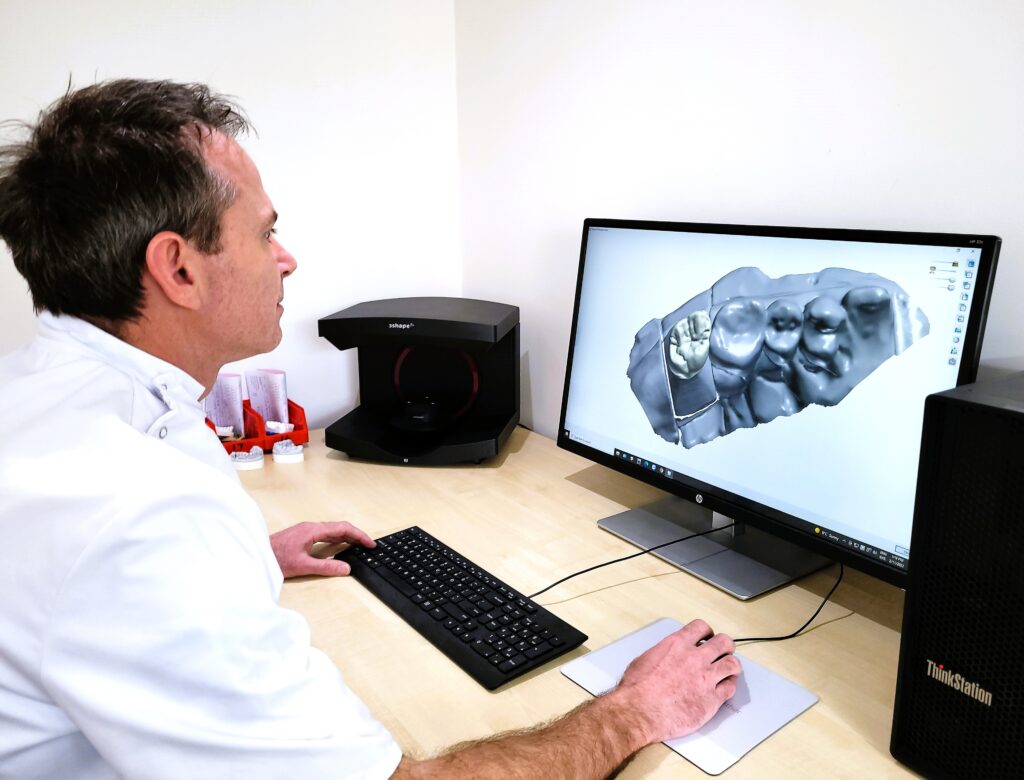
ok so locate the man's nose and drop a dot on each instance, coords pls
(286, 263)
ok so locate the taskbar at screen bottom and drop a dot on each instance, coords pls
(888, 558)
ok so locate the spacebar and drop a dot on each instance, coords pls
(393, 579)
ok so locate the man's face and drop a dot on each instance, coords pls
(246, 277)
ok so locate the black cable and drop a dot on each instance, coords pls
(839, 579)
(795, 633)
(633, 555)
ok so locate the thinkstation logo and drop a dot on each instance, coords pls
(958, 683)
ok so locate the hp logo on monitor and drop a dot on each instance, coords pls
(699, 499)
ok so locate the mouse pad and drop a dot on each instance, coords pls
(764, 701)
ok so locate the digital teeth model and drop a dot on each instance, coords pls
(753, 348)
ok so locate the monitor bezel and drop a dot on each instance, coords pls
(737, 507)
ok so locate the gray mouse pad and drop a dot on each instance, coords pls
(764, 701)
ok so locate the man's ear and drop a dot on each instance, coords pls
(174, 266)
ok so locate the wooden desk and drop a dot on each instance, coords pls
(529, 517)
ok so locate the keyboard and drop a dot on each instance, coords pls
(491, 632)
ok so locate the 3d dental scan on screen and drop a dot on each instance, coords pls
(772, 379)
(776, 345)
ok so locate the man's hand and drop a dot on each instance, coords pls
(681, 682)
(669, 691)
(293, 547)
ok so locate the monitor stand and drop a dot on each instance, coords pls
(741, 560)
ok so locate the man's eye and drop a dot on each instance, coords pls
(269, 233)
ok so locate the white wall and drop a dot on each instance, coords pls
(354, 102)
(871, 114)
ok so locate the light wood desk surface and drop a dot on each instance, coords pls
(529, 517)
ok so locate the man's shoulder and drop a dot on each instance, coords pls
(44, 381)
(71, 457)
(102, 481)
(100, 448)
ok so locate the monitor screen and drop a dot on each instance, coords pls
(776, 375)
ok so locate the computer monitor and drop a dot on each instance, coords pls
(770, 377)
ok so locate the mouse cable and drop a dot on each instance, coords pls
(821, 606)
(633, 555)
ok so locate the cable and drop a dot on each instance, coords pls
(821, 606)
(633, 555)
(795, 633)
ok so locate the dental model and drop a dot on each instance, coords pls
(753, 348)
(248, 461)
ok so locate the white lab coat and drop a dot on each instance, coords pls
(140, 631)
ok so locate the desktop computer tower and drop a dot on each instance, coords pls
(959, 709)
(438, 379)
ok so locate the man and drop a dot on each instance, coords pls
(140, 634)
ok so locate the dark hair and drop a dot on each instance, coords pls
(105, 169)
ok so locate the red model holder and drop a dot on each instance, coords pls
(297, 417)
(256, 429)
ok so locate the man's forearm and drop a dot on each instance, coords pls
(589, 742)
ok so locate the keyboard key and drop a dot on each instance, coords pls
(483, 648)
(512, 663)
(538, 650)
(455, 612)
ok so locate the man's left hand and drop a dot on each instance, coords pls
(293, 548)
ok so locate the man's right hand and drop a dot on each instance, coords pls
(669, 691)
(679, 684)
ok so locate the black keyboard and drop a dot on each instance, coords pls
(492, 632)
